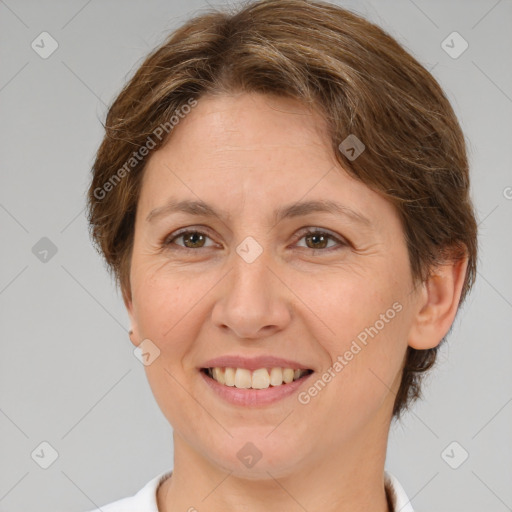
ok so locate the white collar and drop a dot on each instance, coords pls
(399, 499)
(146, 499)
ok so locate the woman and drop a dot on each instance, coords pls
(283, 196)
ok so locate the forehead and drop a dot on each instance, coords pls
(252, 149)
(250, 121)
(227, 139)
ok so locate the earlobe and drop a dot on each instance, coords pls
(133, 338)
(133, 333)
(438, 305)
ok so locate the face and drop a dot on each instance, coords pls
(270, 283)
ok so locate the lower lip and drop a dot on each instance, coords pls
(254, 397)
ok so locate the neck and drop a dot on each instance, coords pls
(352, 480)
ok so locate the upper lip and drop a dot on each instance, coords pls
(253, 363)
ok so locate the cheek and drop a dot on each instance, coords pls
(345, 304)
(171, 392)
(362, 324)
(161, 301)
(166, 315)
(364, 379)
(381, 345)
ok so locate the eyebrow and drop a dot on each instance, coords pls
(200, 208)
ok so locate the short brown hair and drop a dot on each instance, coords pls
(350, 70)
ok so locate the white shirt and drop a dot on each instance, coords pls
(145, 499)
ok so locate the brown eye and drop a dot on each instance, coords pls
(318, 240)
(191, 240)
(194, 238)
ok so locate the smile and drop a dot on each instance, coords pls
(261, 378)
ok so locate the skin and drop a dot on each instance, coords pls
(301, 299)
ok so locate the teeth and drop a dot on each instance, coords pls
(229, 376)
(288, 375)
(218, 375)
(276, 376)
(258, 379)
(242, 378)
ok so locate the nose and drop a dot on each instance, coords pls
(253, 301)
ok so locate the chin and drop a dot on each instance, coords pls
(258, 453)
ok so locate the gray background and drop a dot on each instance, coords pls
(68, 375)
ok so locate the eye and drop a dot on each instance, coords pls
(194, 239)
(318, 240)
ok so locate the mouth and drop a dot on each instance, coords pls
(258, 379)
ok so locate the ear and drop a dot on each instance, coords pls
(134, 332)
(439, 300)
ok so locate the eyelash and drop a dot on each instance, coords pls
(168, 241)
